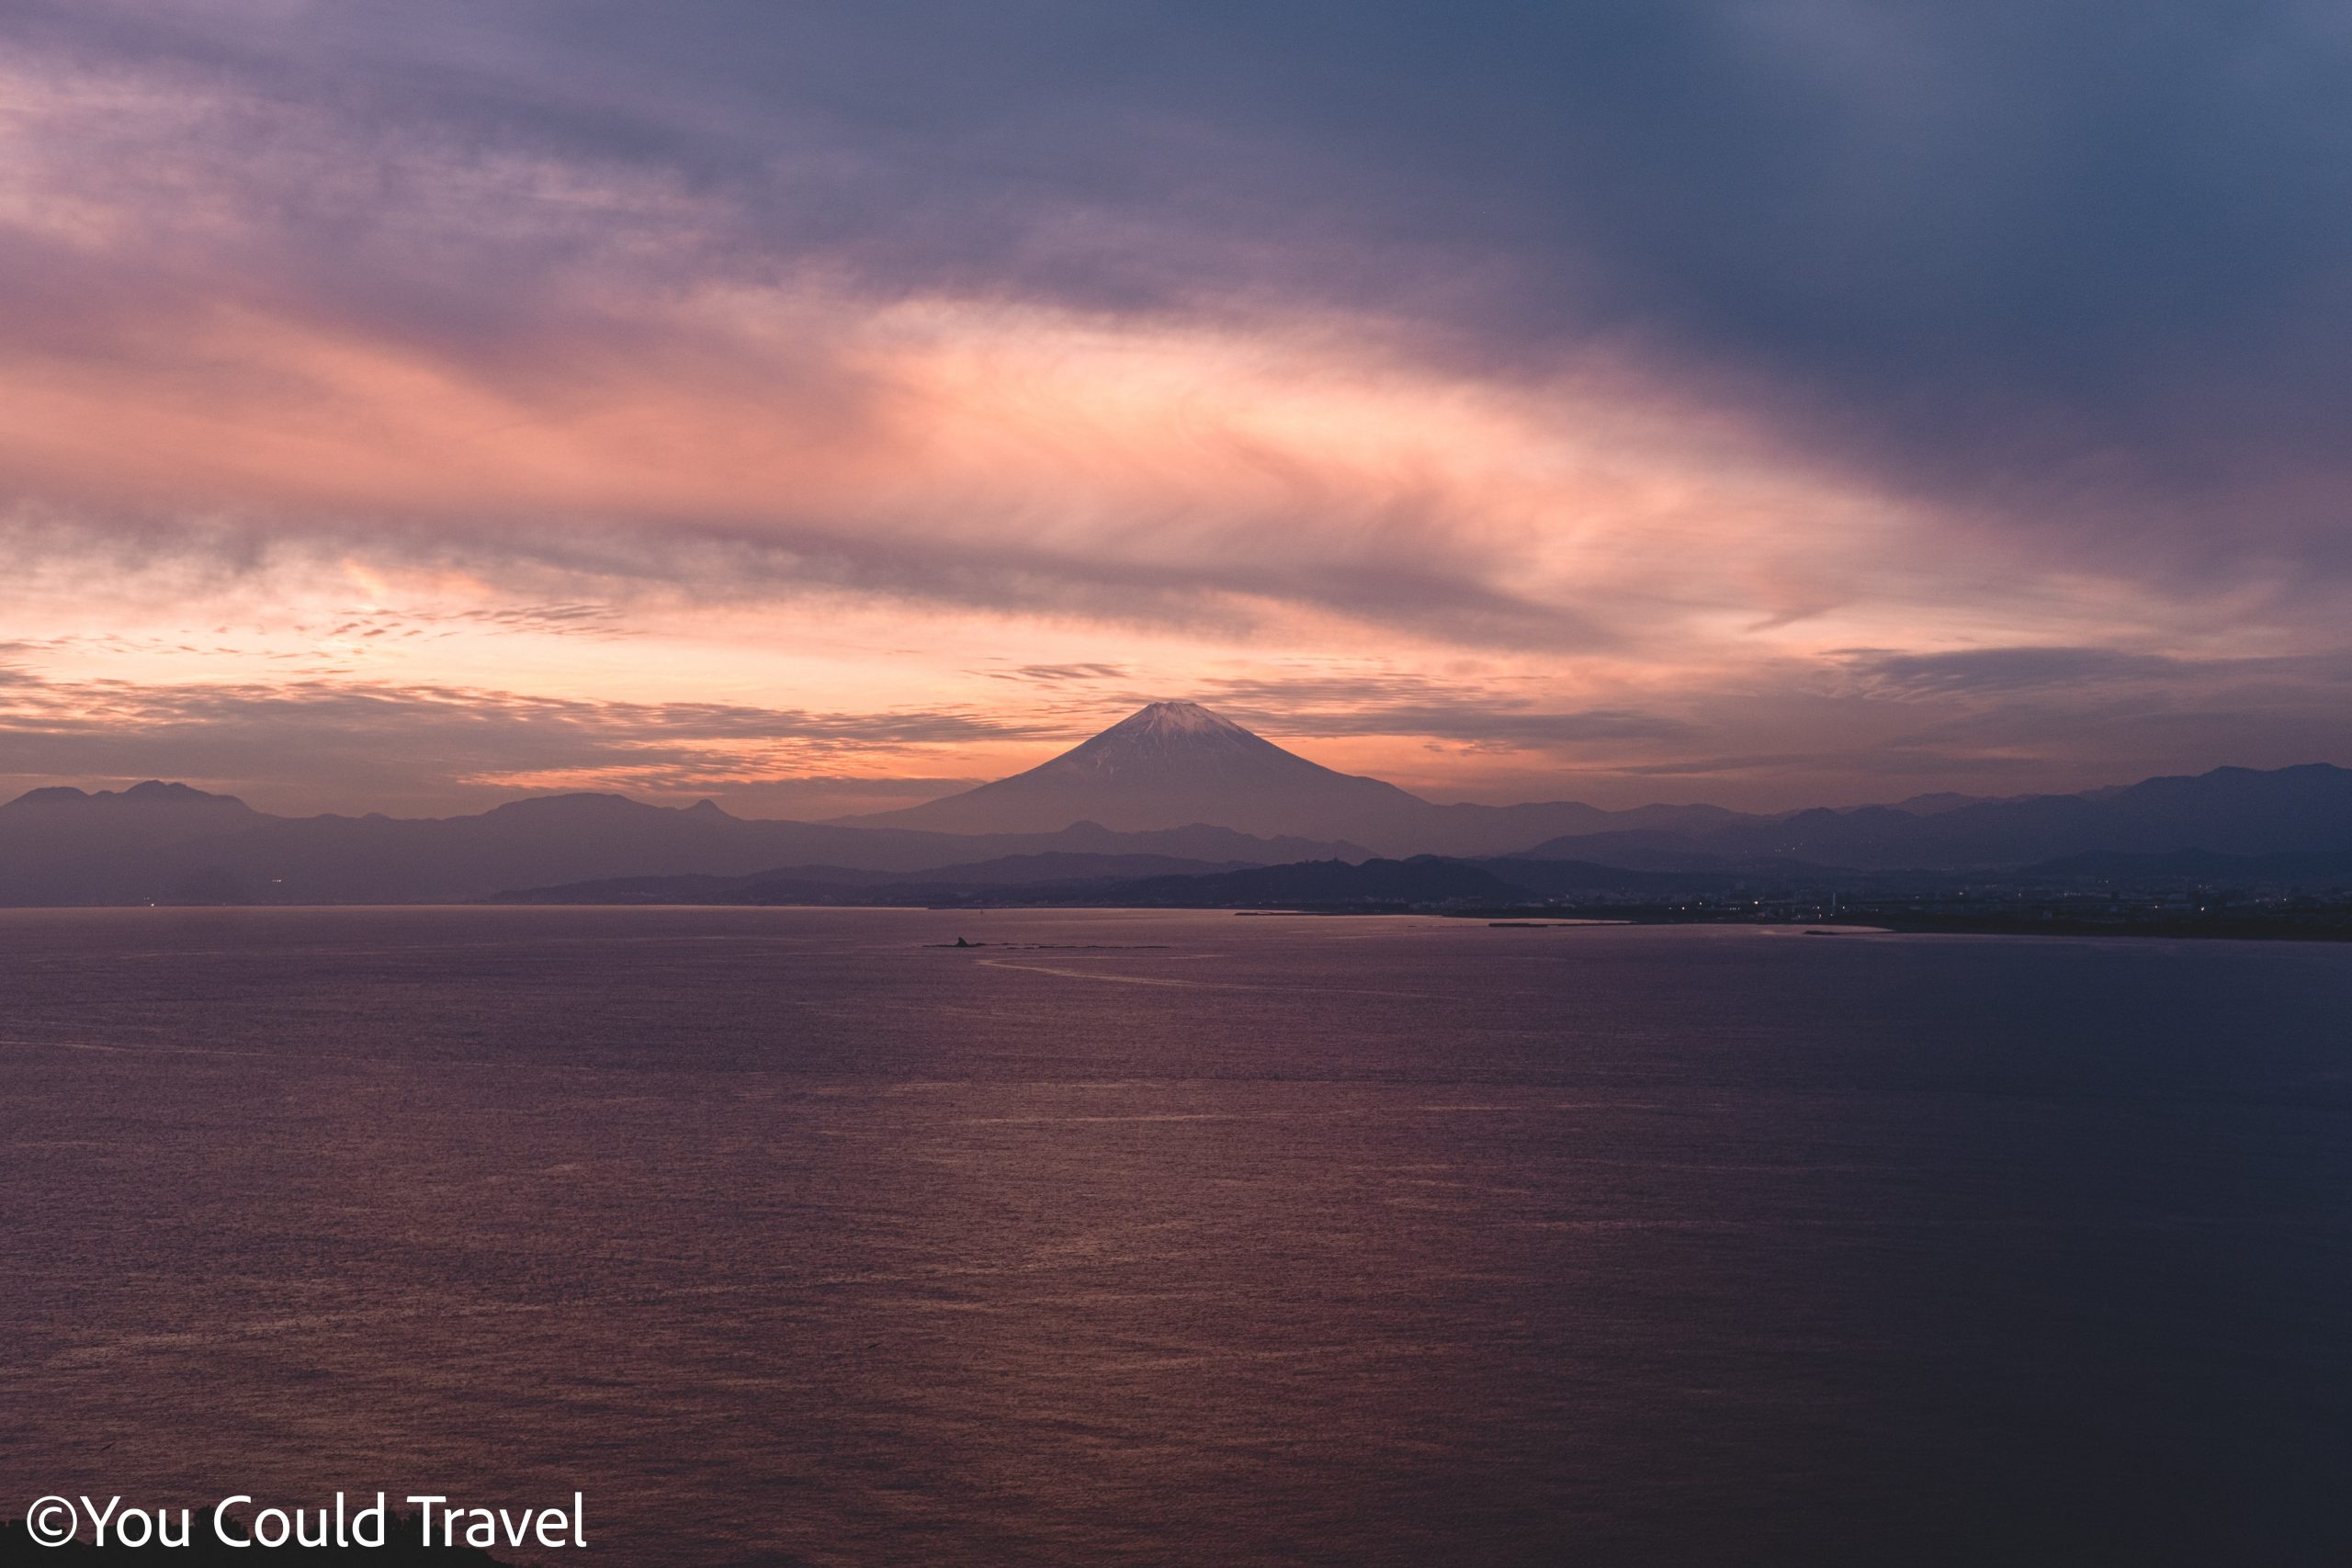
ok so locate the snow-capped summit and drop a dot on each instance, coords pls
(1170, 739)
(1173, 718)
(1169, 765)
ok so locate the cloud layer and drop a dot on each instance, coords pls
(1615, 372)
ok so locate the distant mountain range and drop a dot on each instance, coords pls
(1066, 880)
(1178, 762)
(1053, 877)
(2238, 811)
(1172, 794)
(167, 843)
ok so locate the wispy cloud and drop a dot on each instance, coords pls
(1987, 671)
(320, 743)
(1059, 674)
(2068, 264)
(1396, 704)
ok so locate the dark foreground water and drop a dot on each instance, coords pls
(1186, 1238)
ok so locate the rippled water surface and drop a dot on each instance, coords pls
(790, 1236)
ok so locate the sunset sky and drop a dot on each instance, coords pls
(817, 406)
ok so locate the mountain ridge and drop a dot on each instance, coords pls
(56, 852)
(2229, 810)
(156, 841)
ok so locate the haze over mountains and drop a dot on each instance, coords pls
(1172, 792)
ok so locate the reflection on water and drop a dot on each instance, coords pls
(791, 1237)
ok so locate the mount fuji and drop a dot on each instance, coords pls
(1169, 765)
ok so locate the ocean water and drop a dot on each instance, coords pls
(791, 1237)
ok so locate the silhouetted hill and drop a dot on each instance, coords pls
(1062, 865)
(47, 835)
(2230, 810)
(1323, 884)
(836, 885)
(63, 847)
(1941, 801)
(1566, 878)
(1106, 880)
(1473, 830)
